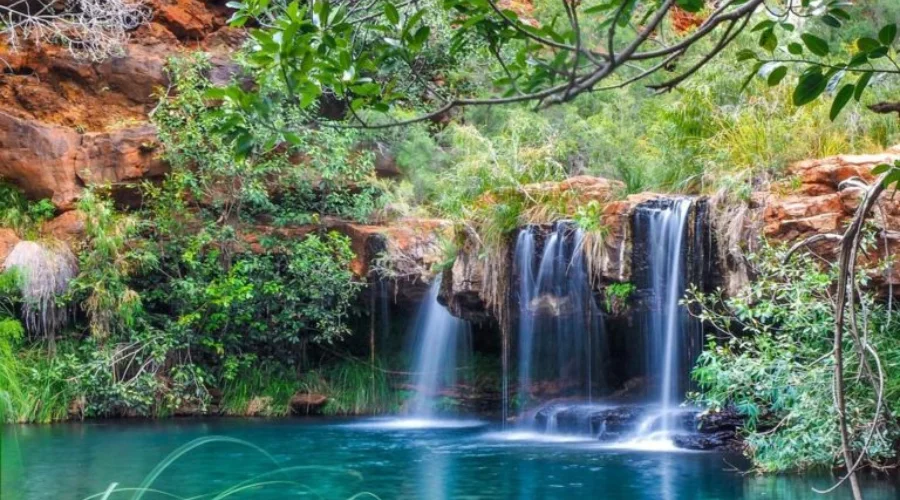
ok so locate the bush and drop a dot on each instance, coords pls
(775, 365)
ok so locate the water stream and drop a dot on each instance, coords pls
(665, 226)
(561, 339)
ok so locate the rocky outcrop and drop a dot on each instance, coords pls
(8, 241)
(66, 122)
(465, 285)
(611, 423)
(48, 161)
(819, 197)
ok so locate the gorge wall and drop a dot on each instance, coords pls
(818, 196)
(67, 123)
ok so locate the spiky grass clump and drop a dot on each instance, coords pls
(260, 392)
(32, 389)
(355, 388)
(45, 270)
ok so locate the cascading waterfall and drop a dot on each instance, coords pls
(665, 225)
(443, 344)
(561, 340)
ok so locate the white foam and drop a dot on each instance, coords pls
(536, 437)
(657, 441)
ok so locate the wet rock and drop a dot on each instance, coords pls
(714, 430)
(723, 440)
(463, 288)
(718, 421)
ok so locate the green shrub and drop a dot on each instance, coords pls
(775, 365)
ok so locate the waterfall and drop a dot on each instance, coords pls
(561, 341)
(665, 226)
(442, 345)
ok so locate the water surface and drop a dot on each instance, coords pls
(73, 461)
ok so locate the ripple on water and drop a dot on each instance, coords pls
(414, 424)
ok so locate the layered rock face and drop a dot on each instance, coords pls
(819, 197)
(66, 123)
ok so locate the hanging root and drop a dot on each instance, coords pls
(46, 271)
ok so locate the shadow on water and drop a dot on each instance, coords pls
(334, 459)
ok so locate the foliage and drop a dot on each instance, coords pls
(294, 292)
(18, 213)
(260, 391)
(355, 388)
(33, 384)
(354, 50)
(617, 294)
(823, 67)
(318, 171)
(775, 365)
(105, 264)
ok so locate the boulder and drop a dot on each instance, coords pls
(8, 241)
(55, 162)
(67, 227)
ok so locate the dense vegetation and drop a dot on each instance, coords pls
(226, 284)
(770, 358)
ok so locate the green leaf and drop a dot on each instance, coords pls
(815, 44)
(600, 8)
(750, 76)
(293, 138)
(390, 12)
(831, 21)
(840, 100)
(880, 169)
(892, 178)
(214, 93)
(777, 75)
(691, 5)
(879, 52)
(411, 22)
(841, 13)
(867, 44)
(767, 24)
(746, 54)
(861, 85)
(768, 40)
(858, 58)
(811, 85)
(366, 89)
(795, 48)
(888, 34)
